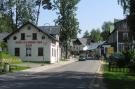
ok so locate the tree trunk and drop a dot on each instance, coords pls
(38, 13)
(66, 47)
(131, 21)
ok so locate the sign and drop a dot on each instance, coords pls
(110, 50)
(28, 42)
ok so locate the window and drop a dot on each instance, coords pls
(17, 51)
(40, 52)
(43, 37)
(34, 36)
(28, 51)
(22, 36)
(14, 37)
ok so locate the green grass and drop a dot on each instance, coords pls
(118, 80)
(1, 73)
(19, 68)
(15, 69)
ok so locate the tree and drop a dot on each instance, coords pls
(18, 12)
(46, 4)
(95, 35)
(67, 20)
(129, 10)
(86, 34)
(107, 27)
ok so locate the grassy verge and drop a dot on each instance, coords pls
(19, 68)
(118, 80)
(15, 69)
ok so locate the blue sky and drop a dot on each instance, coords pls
(90, 14)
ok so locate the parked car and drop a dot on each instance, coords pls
(89, 58)
(82, 58)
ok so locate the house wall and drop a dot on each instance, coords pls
(46, 44)
(122, 29)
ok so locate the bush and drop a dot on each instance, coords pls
(132, 62)
(6, 58)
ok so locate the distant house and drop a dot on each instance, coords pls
(32, 43)
(119, 38)
(78, 45)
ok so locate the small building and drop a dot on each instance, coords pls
(32, 43)
(119, 38)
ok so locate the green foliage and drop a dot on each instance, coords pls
(6, 58)
(118, 80)
(15, 13)
(86, 34)
(132, 61)
(3, 45)
(66, 19)
(95, 35)
(19, 68)
(107, 28)
(125, 4)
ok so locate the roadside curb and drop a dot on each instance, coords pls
(97, 81)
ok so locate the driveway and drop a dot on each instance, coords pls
(77, 75)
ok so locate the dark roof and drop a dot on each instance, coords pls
(54, 30)
(5, 39)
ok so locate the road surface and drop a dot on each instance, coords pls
(77, 75)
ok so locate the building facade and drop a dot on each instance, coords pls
(119, 38)
(31, 43)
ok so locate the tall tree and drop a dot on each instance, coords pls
(67, 20)
(86, 34)
(18, 12)
(107, 27)
(25, 11)
(95, 35)
(45, 4)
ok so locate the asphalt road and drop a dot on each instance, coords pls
(77, 75)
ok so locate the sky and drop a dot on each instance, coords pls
(90, 14)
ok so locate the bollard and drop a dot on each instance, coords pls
(6, 67)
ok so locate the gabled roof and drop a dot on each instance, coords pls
(93, 46)
(83, 41)
(53, 30)
(5, 39)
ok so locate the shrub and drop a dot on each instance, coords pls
(6, 58)
(132, 61)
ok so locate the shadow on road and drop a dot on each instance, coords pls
(53, 80)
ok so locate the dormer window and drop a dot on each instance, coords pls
(34, 36)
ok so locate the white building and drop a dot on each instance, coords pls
(31, 43)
